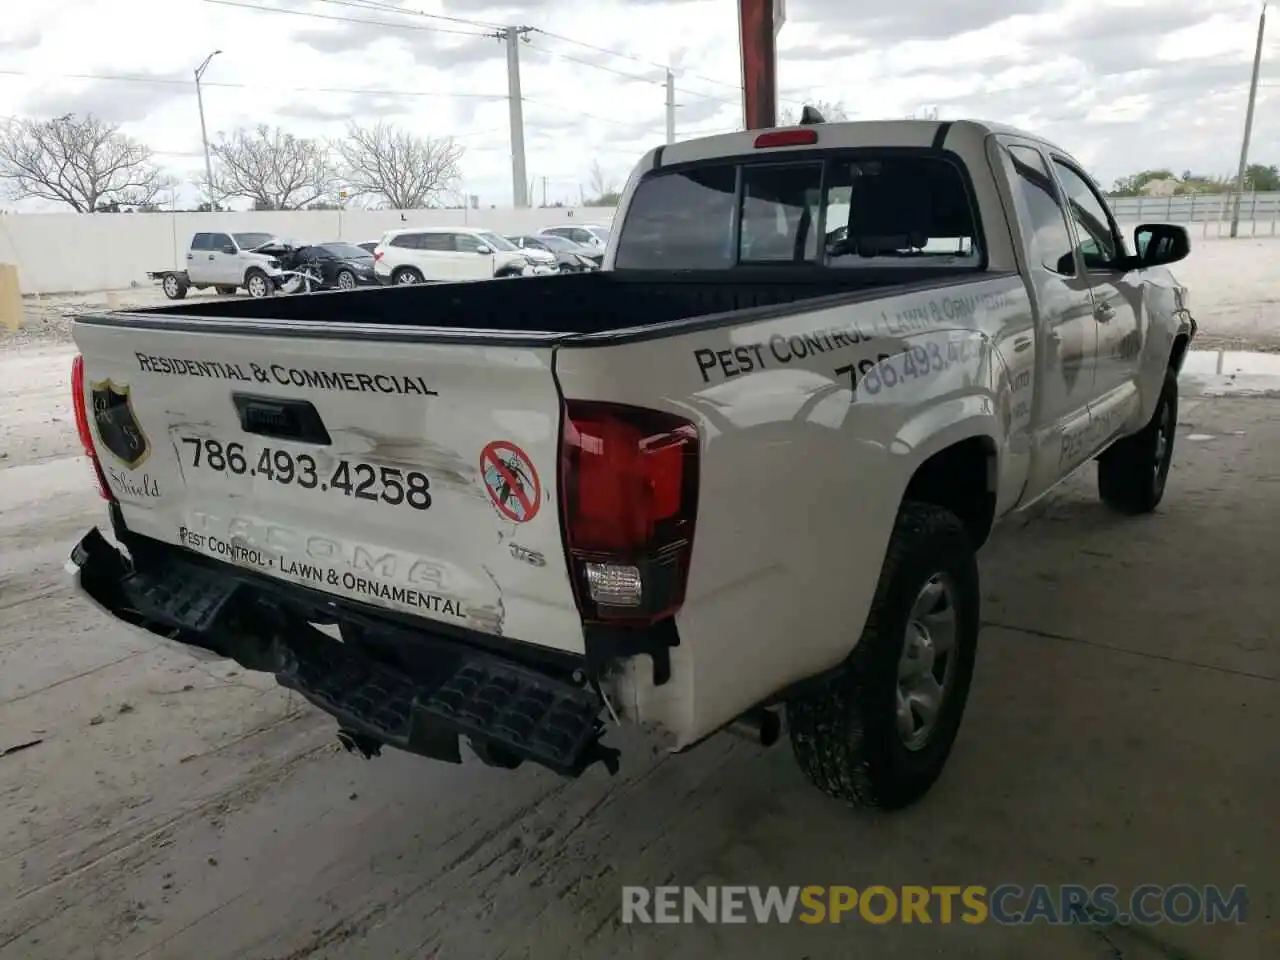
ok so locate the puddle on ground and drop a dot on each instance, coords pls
(1233, 373)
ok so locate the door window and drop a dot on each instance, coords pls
(1099, 241)
(780, 212)
(1050, 238)
(465, 243)
(435, 242)
(219, 240)
(202, 241)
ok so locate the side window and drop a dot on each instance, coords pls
(201, 241)
(1050, 240)
(219, 240)
(406, 241)
(436, 242)
(779, 212)
(680, 220)
(465, 243)
(578, 235)
(1099, 244)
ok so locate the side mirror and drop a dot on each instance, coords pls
(1160, 243)
(483, 249)
(231, 249)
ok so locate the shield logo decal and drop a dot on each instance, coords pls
(117, 424)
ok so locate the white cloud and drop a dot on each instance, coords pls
(1124, 84)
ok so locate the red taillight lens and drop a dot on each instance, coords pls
(377, 255)
(82, 425)
(629, 483)
(787, 138)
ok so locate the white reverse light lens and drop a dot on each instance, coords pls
(614, 585)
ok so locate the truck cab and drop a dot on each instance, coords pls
(227, 261)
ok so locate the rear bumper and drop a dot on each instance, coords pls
(393, 684)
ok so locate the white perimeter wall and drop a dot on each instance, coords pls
(65, 253)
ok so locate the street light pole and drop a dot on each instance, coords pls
(204, 135)
(1248, 124)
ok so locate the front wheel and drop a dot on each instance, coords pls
(257, 283)
(879, 733)
(1133, 471)
(346, 280)
(407, 276)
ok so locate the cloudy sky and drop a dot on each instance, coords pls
(1123, 84)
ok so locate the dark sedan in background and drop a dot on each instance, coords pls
(572, 257)
(343, 265)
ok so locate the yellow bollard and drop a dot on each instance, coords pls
(10, 298)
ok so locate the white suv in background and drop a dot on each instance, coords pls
(420, 254)
(587, 234)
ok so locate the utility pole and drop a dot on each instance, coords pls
(1248, 123)
(519, 182)
(544, 191)
(204, 134)
(671, 107)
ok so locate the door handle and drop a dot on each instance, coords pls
(1022, 343)
(211, 256)
(191, 256)
(1104, 312)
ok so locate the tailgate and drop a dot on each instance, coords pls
(416, 477)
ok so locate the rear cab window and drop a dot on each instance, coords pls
(878, 208)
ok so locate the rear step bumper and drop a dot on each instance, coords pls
(508, 710)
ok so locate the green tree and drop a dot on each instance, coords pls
(1263, 179)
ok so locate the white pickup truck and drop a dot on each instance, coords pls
(226, 262)
(748, 465)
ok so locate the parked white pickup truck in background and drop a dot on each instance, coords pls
(226, 261)
(749, 464)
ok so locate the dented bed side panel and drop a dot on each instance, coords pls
(418, 477)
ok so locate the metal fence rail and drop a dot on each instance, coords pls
(1258, 212)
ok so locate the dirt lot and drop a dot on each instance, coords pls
(1121, 730)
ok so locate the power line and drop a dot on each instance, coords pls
(389, 8)
(176, 81)
(325, 16)
(632, 76)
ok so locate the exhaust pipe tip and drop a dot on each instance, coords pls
(760, 726)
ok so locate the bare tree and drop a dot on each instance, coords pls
(393, 165)
(831, 111)
(83, 162)
(271, 167)
(604, 189)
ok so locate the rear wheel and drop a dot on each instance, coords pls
(1132, 472)
(407, 276)
(879, 733)
(174, 287)
(257, 283)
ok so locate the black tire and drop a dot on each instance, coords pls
(175, 288)
(1133, 471)
(845, 733)
(345, 280)
(407, 276)
(225, 291)
(507, 274)
(257, 283)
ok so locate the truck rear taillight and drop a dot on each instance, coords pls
(629, 488)
(82, 425)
